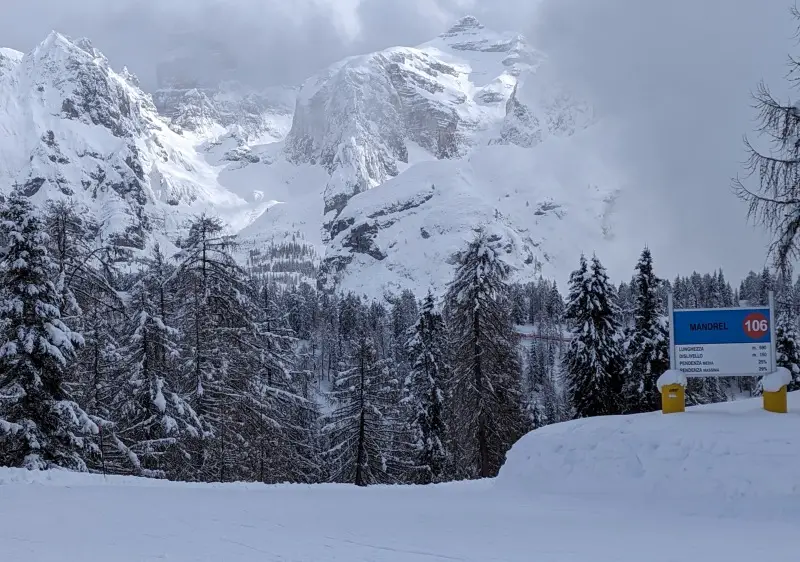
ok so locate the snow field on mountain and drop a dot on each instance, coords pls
(716, 483)
(545, 209)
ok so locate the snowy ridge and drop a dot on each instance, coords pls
(250, 117)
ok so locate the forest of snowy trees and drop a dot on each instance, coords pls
(192, 367)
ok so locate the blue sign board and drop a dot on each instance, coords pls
(722, 326)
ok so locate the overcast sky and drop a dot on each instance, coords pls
(674, 76)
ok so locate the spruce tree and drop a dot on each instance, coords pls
(487, 391)
(41, 426)
(425, 396)
(648, 345)
(593, 362)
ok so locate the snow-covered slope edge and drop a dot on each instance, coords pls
(718, 455)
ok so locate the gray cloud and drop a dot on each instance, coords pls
(258, 41)
(676, 78)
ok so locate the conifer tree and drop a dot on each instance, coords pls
(486, 384)
(41, 426)
(648, 345)
(542, 395)
(217, 323)
(281, 415)
(156, 417)
(359, 432)
(425, 396)
(593, 361)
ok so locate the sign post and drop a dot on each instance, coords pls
(723, 342)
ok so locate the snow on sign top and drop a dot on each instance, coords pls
(720, 326)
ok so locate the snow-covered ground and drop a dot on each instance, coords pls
(715, 483)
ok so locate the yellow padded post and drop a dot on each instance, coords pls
(776, 402)
(673, 399)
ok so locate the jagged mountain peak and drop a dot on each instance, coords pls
(74, 128)
(57, 45)
(465, 25)
(468, 34)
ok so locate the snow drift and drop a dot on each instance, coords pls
(723, 453)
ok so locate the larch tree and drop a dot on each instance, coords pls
(774, 201)
(216, 321)
(488, 403)
(358, 430)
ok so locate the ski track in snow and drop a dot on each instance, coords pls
(716, 483)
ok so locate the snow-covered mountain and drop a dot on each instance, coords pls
(74, 128)
(381, 166)
(230, 109)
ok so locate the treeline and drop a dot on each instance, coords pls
(620, 335)
(194, 368)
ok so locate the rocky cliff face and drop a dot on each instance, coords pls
(539, 108)
(361, 118)
(74, 128)
(228, 109)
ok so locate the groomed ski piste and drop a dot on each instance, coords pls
(716, 483)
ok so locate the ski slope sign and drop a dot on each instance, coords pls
(718, 342)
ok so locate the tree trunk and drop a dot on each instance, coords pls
(483, 446)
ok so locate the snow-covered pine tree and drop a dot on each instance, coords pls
(358, 432)
(155, 417)
(327, 336)
(648, 345)
(41, 426)
(93, 307)
(787, 339)
(216, 322)
(593, 362)
(543, 403)
(488, 404)
(404, 315)
(425, 397)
